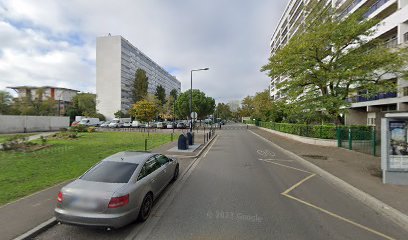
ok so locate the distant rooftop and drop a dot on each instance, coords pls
(34, 87)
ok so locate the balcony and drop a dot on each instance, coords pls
(374, 7)
(349, 8)
(392, 43)
(359, 98)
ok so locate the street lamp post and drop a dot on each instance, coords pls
(191, 94)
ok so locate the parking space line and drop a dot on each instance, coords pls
(338, 217)
(287, 191)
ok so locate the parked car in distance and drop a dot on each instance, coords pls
(115, 123)
(74, 123)
(181, 125)
(171, 125)
(119, 122)
(127, 124)
(137, 124)
(160, 125)
(90, 122)
(105, 124)
(118, 190)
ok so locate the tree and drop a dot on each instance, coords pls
(223, 111)
(202, 104)
(174, 93)
(83, 104)
(144, 110)
(6, 101)
(168, 108)
(247, 107)
(140, 85)
(332, 58)
(121, 114)
(161, 94)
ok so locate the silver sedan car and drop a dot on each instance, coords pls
(117, 190)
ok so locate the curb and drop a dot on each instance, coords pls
(37, 230)
(199, 153)
(52, 221)
(387, 211)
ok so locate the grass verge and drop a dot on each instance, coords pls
(5, 137)
(25, 173)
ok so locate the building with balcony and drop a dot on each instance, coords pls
(62, 96)
(116, 63)
(393, 29)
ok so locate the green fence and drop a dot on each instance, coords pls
(357, 138)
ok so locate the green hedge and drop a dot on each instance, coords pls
(320, 131)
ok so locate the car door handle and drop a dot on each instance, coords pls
(152, 180)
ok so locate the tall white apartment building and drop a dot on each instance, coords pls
(393, 28)
(116, 63)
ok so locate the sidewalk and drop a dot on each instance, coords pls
(18, 217)
(360, 170)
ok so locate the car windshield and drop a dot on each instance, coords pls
(115, 121)
(110, 172)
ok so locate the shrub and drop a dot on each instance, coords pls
(78, 128)
(63, 129)
(66, 135)
(43, 140)
(319, 131)
(91, 129)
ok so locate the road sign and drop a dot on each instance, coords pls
(193, 115)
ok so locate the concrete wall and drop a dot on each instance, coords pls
(20, 124)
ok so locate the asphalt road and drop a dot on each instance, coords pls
(244, 188)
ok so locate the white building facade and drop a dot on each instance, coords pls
(62, 96)
(393, 28)
(116, 63)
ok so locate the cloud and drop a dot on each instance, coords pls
(53, 42)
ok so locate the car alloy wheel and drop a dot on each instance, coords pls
(146, 208)
(176, 173)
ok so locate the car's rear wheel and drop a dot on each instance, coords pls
(176, 173)
(146, 207)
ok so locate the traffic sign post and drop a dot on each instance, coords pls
(193, 116)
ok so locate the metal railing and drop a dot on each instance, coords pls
(406, 37)
(391, 43)
(375, 6)
(349, 8)
(359, 98)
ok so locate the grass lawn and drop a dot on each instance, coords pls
(24, 173)
(4, 137)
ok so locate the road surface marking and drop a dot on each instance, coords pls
(272, 159)
(283, 165)
(339, 217)
(286, 194)
(144, 230)
(298, 184)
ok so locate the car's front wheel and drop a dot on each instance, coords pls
(176, 173)
(146, 207)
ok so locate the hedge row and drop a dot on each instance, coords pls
(320, 131)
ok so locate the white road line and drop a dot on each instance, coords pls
(143, 230)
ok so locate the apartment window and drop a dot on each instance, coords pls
(406, 37)
(371, 121)
(405, 91)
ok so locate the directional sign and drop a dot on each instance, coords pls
(193, 115)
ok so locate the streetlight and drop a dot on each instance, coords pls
(191, 94)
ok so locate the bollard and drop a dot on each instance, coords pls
(145, 144)
(204, 138)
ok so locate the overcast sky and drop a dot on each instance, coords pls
(46, 42)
